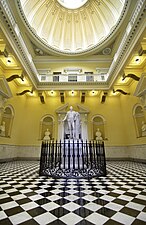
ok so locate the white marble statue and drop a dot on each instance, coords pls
(143, 129)
(98, 135)
(3, 129)
(77, 126)
(47, 135)
(73, 121)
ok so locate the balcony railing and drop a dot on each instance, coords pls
(73, 77)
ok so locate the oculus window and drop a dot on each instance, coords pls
(72, 4)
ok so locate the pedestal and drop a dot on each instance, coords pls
(72, 154)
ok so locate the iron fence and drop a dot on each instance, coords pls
(72, 159)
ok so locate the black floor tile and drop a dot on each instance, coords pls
(130, 212)
(5, 222)
(83, 212)
(59, 212)
(13, 211)
(36, 211)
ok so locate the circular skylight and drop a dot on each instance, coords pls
(72, 4)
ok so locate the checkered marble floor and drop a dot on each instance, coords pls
(29, 199)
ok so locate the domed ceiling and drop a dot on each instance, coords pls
(72, 26)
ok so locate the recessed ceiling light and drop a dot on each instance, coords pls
(137, 60)
(8, 61)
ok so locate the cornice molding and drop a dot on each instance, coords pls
(73, 86)
(13, 34)
(134, 29)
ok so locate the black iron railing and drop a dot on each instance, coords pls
(72, 159)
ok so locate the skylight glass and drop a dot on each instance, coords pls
(72, 4)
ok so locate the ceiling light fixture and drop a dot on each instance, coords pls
(8, 61)
(51, 92)
(93, 92)
(137, 60)
(72, 93)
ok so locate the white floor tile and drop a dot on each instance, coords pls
(2, 215)
(50, 206)
(89, 198)
(71, 197)
(71, 206)
(45, 218)
(114, 206)
(29, 205)
(71, 219)
(135, 206)
(19, 218)
(142, 216)
(97, 219)
(9, 205)
(123, 218)
(92, 206)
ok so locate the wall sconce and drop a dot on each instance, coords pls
(133, 76)
(15, 76)
(24, 92)
(121, 91)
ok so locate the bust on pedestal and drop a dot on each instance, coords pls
(143, 129)
(98, 135)
(47, 135)
(2, 129)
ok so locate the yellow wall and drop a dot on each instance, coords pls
(117, 111)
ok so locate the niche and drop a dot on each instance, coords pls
(98, 123)
(47, 123)
(6, 122)
(139, 118)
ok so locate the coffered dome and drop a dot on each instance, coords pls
(74, 26)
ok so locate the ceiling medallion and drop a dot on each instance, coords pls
(72, 4)
(106, 51)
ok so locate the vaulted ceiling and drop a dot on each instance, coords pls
(86, 47)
